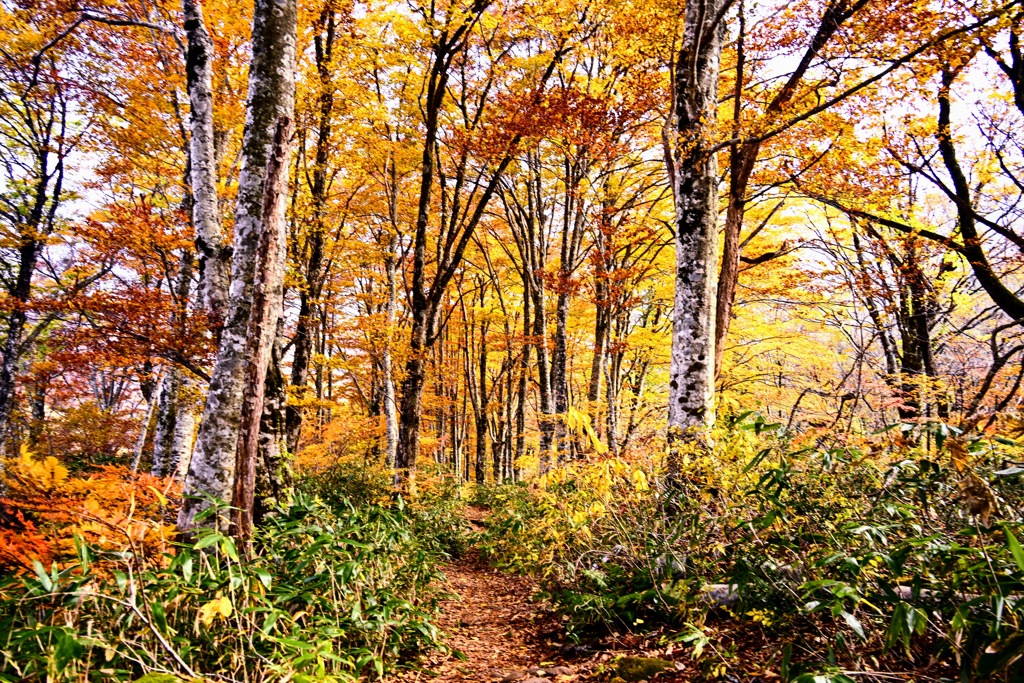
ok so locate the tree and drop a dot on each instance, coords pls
(466, 199)
(694, 176)
(223, 463)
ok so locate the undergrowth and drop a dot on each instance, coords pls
(899, 551)
(332, 589)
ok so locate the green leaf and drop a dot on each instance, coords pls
(83, 553)
(228, 546)
(297, 644)
(265, 577)
(854, 623)
(1015, 549)
(757, 459)
(44, 578)
(208, 540)
(159, 616)
(67, 650)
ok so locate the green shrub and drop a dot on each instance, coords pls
(323, 594)
(909, 554)
(350, 481)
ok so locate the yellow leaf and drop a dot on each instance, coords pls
(159, 496)
(216, 608)
(957, 448)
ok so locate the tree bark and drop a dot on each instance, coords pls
(140, 442)
(269, 110)
(602, 313)
(170, 437)
(691, 386)
(166, 419)
(273, 472)
(387, 365)
(480, 406)
(266, 309)
(214, 255)
(524, 379)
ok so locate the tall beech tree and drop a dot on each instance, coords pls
(694, 175)
(473, 182)
(234, 399)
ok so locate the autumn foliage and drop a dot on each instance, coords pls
(716, 308)
(108, 508)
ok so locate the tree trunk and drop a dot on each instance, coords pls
(213, 253)
(634, 407)
(140, 441)
(166, 421)
(480, 407)
(547, 406)
(412, 403)
(273, 473)
(613, 386)
(258, 218)
(387, 366)
(309, 295)
(597, 364)
(184, 432)
(267, 302)
(524, 376)
(423, 310)
(572, 235)
(170, 437)
(691, 372)
(973, 251)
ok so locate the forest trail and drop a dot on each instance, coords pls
(498, 632)
(492, 620)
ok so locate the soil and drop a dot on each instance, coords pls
(497, 629)
(492, 624)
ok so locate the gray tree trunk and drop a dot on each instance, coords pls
(184, 431)
(213, 253)
(524, 380)
(140, 442)
(387, 366)
(274, 474)
(264, 317)
(269, 109)
(602, 321)
(695, 176)
(166, 421)
(174, 421)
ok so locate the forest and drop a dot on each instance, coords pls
(536, 341)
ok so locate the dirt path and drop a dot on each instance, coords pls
(492, 620)
(493, 626)
(497, 632)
